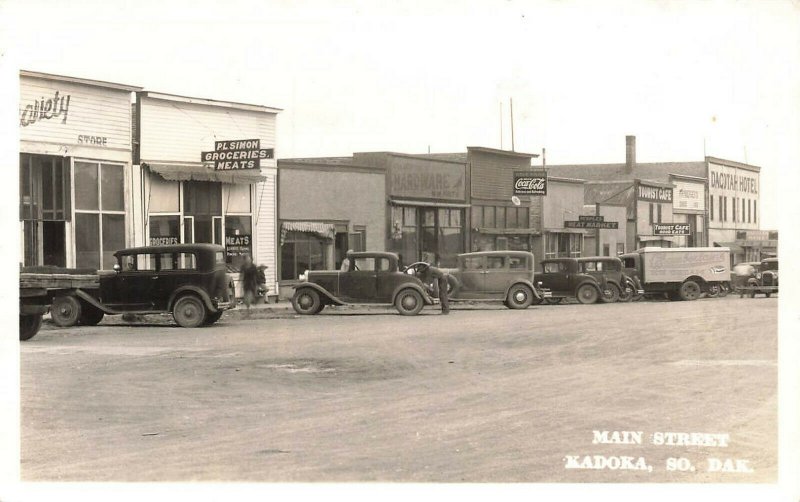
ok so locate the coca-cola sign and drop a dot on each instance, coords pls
(530, 182)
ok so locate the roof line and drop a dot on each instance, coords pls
(79, 80)
(209, 102)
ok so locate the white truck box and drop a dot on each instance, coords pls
(675, 265)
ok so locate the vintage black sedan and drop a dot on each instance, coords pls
(371, 278)
(505, 276)
(607, 270)
(188, 280)
(565, 278)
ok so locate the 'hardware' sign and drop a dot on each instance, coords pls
(671, 229)
(602, 225)
(237, 154)
(530, 182)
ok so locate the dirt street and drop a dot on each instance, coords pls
(480, 395)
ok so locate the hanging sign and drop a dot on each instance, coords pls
(237, 154)
(530, 182)
(603, 225)
(671, 229)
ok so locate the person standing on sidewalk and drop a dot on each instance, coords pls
(248, 276)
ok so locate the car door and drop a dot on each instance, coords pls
(496, 277)
(556, 277)
(473, 275)
(174, 270)
(136, 281)
(359, 285)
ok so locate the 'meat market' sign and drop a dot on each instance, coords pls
(237, 154)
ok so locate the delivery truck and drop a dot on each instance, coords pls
(680, 273)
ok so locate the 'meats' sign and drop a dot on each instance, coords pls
(238, 154)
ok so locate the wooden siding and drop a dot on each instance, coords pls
(179, 132)
(492, 175)
(265, 214)
(92, 111)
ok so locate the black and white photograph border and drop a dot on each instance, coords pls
(385, 249)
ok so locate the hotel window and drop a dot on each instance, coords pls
(724, 205)
(99, 214)
(749, 211)
(733, 208)
(743, 210)
(755, 212)
(711, 207)
(721, 208)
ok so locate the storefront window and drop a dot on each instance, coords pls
(238, 200)
(87, 240)
(86, 194)
(164, 196)
(164, 229)
(563, 245)
(238, 239)
(301, 251)
(451, 240)
(203, 201)
(99, 213)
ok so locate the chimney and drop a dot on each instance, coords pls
(630, 153)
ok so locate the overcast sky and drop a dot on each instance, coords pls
(684, 77)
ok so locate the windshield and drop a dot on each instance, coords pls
(769, 265)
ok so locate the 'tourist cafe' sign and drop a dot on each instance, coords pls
(530, 182)
(671, 229)
(237, 154)
(652, 193)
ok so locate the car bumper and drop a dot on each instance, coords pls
(545, 293)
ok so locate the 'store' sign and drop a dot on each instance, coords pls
(237, 154)
(530, 182)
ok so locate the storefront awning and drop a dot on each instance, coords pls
(735, 248)
(405, 202)
(199, 172)
(653, 238)
(322, 230)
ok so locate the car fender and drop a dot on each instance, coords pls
(591, 282)
(525, 282)
(195, 290)
(406, 285)
(322, 291)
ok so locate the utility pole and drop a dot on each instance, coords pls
(511, 105)
(597, 231)
(501, 125)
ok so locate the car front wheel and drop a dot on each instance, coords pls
(189, 312)
(306, 301)
(519, 297)
(611, 294)
(587, 294)
(409, 302)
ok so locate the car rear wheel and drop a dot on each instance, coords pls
(28, 326)
(587, 294)
(91, 315)
(689, 291)
(519, 296)
(66, 311)
(409, 302)
(306, 301)
(611, 294)
(189, 312)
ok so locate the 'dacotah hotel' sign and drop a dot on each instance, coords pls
(237, 154)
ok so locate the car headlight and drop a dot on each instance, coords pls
(304, 276)
(758, 275)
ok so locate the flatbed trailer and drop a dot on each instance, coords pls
(38, 288)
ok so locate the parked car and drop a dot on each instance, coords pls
(506, 276)
(757, 278)
(188, 280)
(372, 278)
(564, 278)
(613, 282)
